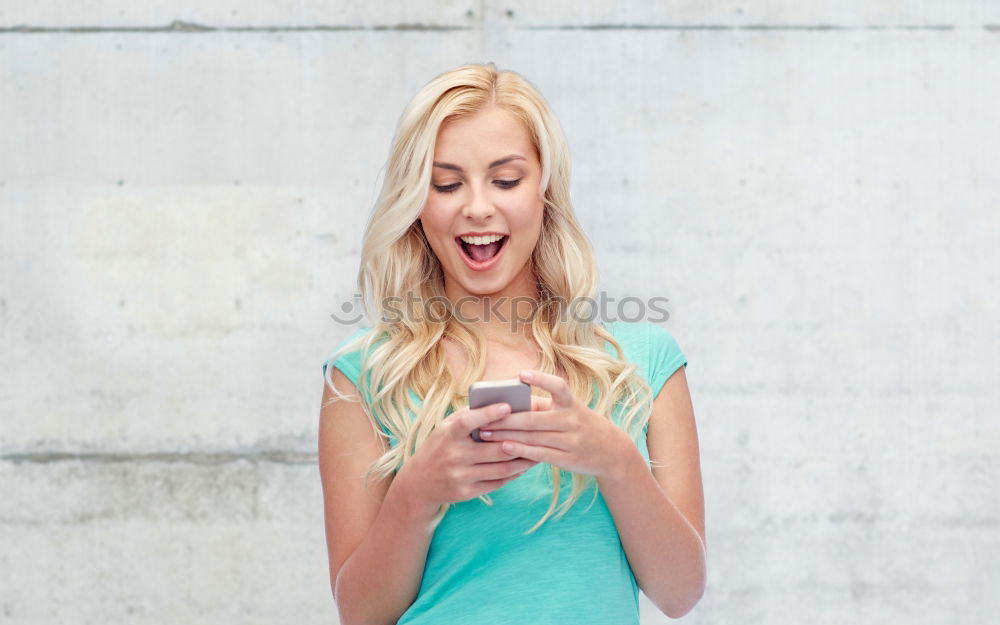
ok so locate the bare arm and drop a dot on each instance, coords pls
(378, 544)
(380, 580)
(377, 540)
(660, 514)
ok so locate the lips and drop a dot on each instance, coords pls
(481, 257)
(482, 252)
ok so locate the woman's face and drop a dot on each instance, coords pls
(483, 213)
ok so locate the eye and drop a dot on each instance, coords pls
(503, 184)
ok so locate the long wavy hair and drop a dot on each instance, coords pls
(411, 389)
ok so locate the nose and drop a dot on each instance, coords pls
(479, 207)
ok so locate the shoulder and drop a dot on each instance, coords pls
(348, 355)
(642, 340)
(349, 358)
(652, 347)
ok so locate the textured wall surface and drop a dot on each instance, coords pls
(183, 186)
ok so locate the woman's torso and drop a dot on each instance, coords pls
(479, 558)
(481, 568)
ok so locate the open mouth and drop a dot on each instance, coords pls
(482, 253)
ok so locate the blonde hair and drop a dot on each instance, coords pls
(405, 354)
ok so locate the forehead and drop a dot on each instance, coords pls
(482, 136)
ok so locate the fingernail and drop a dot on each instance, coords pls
(503, 409)
(485, 433)
(525, 375)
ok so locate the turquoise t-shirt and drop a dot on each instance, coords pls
(481, 569)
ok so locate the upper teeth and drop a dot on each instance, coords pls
(483, 240)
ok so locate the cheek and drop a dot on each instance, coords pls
(528, 217)
(434, 220)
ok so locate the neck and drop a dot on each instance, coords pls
(503, 317)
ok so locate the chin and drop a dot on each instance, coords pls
(485, 287)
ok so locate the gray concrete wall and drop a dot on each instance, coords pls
(182, 192)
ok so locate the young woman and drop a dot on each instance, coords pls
(475, 268)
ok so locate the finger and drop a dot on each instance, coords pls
(531, 420)
(541, 403)
(541, 438)
(489, 451)
(556, 386)
(468, 420)
(491, 485)
(534, 452)
(500, 470)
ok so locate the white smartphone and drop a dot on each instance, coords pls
(513, 392)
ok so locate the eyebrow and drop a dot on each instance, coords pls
(495, 163)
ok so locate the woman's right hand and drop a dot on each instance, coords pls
(450, 466)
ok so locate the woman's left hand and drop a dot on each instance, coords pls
(561, 431)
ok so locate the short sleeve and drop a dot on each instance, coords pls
(665, 357)
(350, 362)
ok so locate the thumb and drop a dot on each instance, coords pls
(475, 418)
